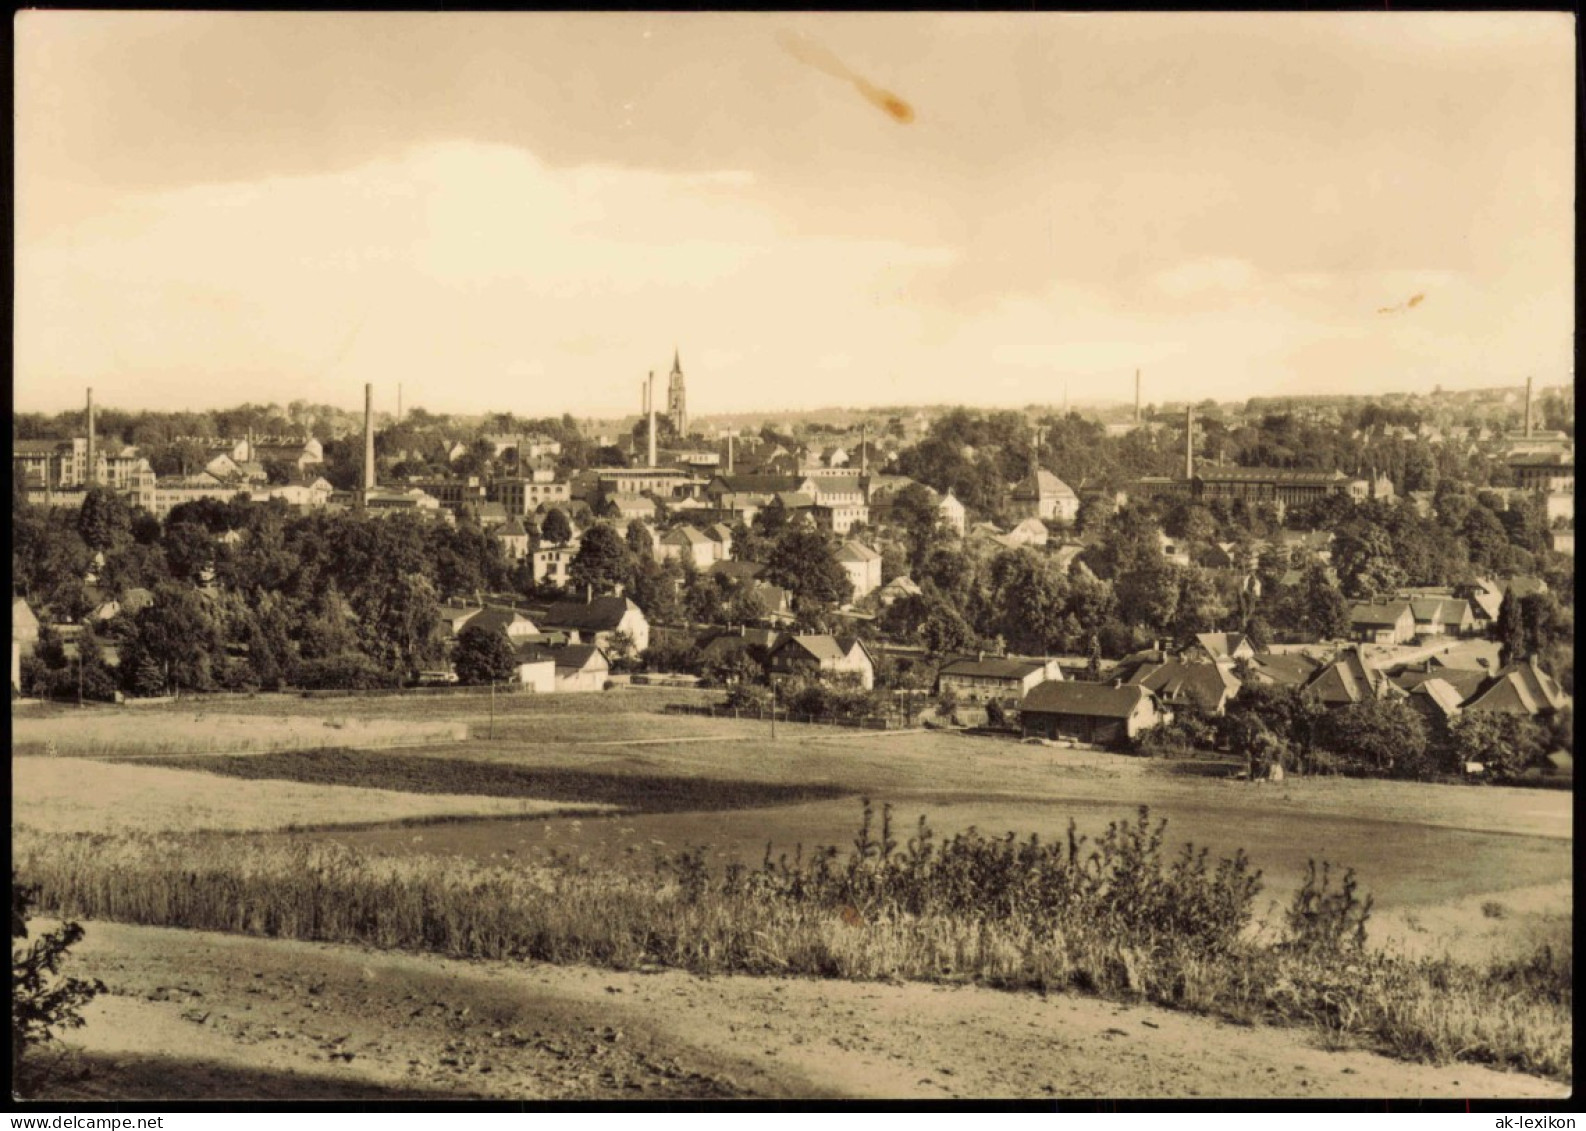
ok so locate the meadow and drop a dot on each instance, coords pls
(104, 732)
(1471, 886)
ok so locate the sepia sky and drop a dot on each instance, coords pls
(527, 212)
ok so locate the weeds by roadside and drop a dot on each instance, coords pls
(1118, 917)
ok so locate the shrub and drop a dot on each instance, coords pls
(1326, 921)
(42, 999)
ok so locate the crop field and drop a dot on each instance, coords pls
(106, 732)
(71, 795)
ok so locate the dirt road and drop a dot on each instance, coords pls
(191, 1015)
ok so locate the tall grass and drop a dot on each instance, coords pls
(1117, 917)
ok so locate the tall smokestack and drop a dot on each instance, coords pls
(1528, 408)
(649, 401)
(729, 453)
(1189, 443)
(368, 438)
(1137, 397)
(864, 449)
(91, 476)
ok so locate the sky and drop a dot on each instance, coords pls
(530, 212)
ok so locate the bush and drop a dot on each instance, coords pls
(42, 999)
(1326, 921)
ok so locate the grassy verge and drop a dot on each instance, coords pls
(1116, 918)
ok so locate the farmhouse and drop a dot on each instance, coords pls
(597, 621)
(1391, 623)
(1520, 689)
(1098, 713)
(798, 654)
(1205, 687)
(579, 667)
(685, 543)
(998, 678)
(535, 669)
(1349, 679)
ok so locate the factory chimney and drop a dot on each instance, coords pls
(729, 453)
(92, 473)
(864, 449)
(649, 404)
(368, 439)
(1528, 408)
(1137, 398)
(1189, 443)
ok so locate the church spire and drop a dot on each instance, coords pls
(677, 365)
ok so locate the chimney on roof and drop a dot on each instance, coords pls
(368, 438)
(92, 470)
(729, 453)
(1189, 443)
(1528, 408)
(1137, 398)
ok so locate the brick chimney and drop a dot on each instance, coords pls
(368, 438)
(1189, 443)
(92, 473)
(1528, 408)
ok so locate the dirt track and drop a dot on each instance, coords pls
(194, 1015)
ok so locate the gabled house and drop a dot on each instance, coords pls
(1029, 532)
(1287, 669)
(1045, 496)
(897, 588)
(535, 668)
(1000, 678)
(1522, 688)
(1390, 623)
(721, 534)
(454, 618)
(1349, 679)
(952, 513)
(1466, 682)
(1099, 713)
(1177, 684)
(862, 565)
(509, 622)
(24, 625)
(1220, 647)
(821, 653)
(597, 621)
(1437, 700)
(718, 646)
(743, 572)
(514, 540)
(578, 667)
(687, 544)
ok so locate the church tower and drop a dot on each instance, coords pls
(676, 404)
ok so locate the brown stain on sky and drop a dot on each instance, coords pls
(807, 51)
(1415, 301)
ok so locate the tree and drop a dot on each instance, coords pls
(639, 540)
(1504, 744)
(1510, 630)
(179, 634)
(1148, 594)
(42, 999)
(1199, 607)
(1363, 554)
(943, 628)
(1320, 609)
(1380, 735)
(483, 656)
(189, 551)
(556, 529)
(105, 520)
(603, 561)
(801, 562)
(1093, 659)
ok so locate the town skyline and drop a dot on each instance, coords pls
(500, 210)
